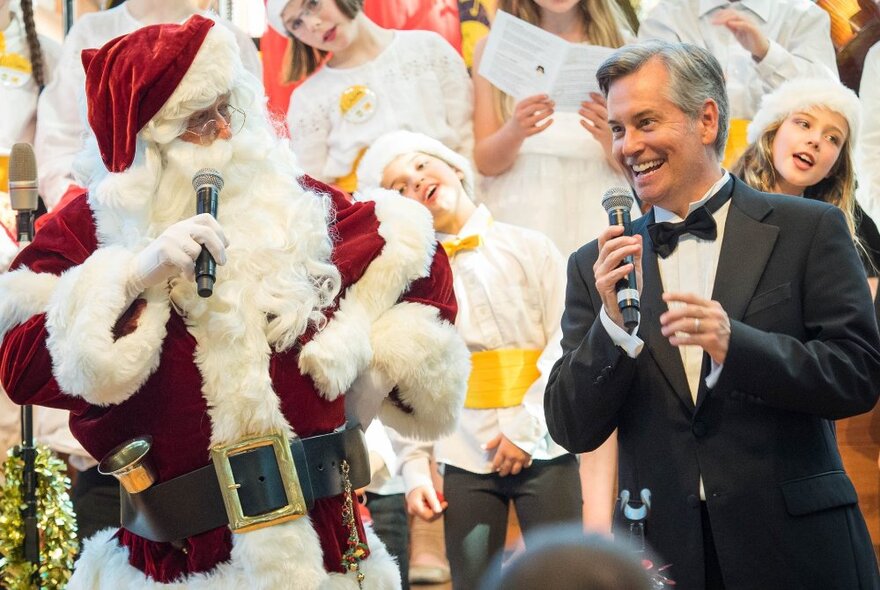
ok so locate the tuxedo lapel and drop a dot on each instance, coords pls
(651, 307)
(747, 245)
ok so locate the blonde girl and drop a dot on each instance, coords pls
(802, 143)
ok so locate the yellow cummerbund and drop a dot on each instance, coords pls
(500, 378)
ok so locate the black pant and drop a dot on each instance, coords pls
(95, 499)
(714, 581)
(548, 492)
(391, 525)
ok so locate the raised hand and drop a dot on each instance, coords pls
(175, 251)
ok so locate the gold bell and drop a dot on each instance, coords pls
(129, 464)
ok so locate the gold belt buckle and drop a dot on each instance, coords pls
(238, 521)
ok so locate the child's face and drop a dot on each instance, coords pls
(806, 146)
(428, 180)
(317, 23)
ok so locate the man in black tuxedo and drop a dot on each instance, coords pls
(755, 335)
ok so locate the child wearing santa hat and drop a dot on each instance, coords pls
(509, 283)
(802, 143)
(322, 311)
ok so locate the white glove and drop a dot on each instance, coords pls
(175, 252)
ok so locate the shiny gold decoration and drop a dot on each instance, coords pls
(351, 559)
(56, 524)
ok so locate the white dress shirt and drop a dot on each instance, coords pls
(800, 43)
(511, 293)
(690, 268)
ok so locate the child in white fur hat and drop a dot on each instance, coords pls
(802, 143)
(509, 284)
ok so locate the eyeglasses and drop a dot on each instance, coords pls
(205, 125)
(309, 8)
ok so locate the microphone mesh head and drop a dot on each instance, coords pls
(617, 197)
(208, 177)
(22, 164)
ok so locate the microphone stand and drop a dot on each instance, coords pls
(25, 222)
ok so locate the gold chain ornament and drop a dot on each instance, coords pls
(351, 559)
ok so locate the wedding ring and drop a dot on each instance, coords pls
(696, 325)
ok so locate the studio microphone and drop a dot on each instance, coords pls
(617, 201)
(208, 184)
(23, 189)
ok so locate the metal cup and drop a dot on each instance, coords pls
(130, 464)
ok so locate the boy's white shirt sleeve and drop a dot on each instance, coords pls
(810, 53)
(525, 425)
(414, 461)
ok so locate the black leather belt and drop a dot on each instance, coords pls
(194, 503)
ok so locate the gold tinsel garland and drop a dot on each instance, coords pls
(56, 523)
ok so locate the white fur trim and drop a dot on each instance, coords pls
(430, 364)
(23, 294)
(81, 314)
(285, 556)
(273, 12)
(341, 351)
(801, 94)
(397, 143)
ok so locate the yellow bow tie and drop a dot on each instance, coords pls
(455, 246)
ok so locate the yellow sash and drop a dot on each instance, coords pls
(737, 142)
(500, 378)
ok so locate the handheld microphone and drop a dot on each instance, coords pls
(617, 201)
(208, 183)
(23, 189)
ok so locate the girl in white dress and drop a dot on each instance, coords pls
(375, 80)
(547, 170)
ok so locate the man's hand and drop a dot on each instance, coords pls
(613, 248)
(745, 31)
(509, 459)
(424, 503)
(697, 322)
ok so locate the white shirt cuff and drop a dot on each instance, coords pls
(714, 374)
(630, 343)
(416, 473)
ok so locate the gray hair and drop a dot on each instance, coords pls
(694, 74)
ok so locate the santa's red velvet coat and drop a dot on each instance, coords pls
(404, 316)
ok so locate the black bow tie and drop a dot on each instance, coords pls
(699, 223)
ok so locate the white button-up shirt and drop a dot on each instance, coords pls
(511, 293)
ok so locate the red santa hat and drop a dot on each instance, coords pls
(131, 78)
(803, 94)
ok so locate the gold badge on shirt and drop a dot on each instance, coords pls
(15, 69)
(357, 103)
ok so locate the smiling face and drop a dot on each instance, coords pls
(667, 155)
(433, 183)
(318, 23)
(806, 148)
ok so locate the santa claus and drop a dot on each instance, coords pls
(321, 310)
